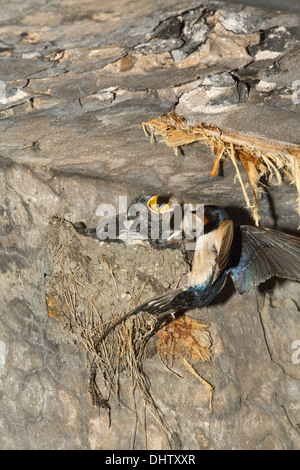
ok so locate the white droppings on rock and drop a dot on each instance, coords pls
(265, 86)
(266, 55)
(3, 352)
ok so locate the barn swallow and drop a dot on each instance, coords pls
(249, 255)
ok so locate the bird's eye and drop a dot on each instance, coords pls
(143, 199)
(207, 210)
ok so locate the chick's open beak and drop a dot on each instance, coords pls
(152, 204)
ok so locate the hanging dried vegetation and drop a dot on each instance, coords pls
(259, 156)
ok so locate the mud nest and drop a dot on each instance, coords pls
(91, 285)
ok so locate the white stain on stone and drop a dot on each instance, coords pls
(19, 95)
(2, 354)
(265, 86)
(266, 55)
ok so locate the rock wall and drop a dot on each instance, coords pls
(77, 81)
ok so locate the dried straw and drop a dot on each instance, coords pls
(122, 352)
(259, 156)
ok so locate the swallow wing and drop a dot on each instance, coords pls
(224, 237)
(265, 253)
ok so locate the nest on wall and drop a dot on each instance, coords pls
(259, 156)
(90, 287)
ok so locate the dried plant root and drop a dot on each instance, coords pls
(205, 382)
(259, 156)
(186, 337)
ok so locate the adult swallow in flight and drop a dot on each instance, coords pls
(250, 255)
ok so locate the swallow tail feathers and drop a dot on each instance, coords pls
(160, 306)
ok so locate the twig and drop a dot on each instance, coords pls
(206, 383)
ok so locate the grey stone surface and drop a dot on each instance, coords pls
(79, 79)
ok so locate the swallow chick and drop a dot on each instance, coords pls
(145, 222)
(114, 228)
(139, 225)
(250, 255)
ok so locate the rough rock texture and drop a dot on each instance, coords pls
(77, 80)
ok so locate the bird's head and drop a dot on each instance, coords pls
(212, 217)
(145, 205)
(157, 204)
(141, 199)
